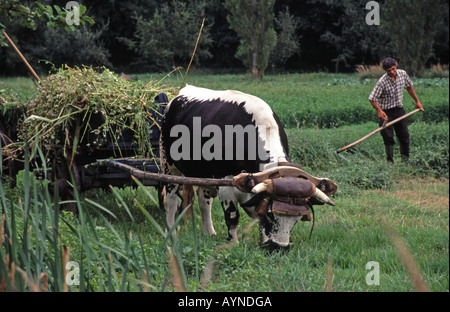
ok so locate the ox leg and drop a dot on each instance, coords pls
(205, 197)
(229, 202)
(171, 204)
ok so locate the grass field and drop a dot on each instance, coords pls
(118, 243)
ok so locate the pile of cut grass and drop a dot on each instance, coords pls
(84, 106)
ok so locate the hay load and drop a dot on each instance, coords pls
(83, 108)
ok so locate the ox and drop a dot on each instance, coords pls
(220, 134)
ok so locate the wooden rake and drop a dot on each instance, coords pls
(385, 125)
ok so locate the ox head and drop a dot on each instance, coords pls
(283, 196)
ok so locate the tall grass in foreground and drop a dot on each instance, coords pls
(37, 240)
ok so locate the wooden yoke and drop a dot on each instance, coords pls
(245, 181)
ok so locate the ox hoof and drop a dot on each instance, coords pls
(232, 240)
(209, 232)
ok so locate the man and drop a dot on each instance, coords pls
(387, 99)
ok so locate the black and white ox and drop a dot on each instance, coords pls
(220, 134)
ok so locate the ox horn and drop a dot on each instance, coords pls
(260, 187)
(263, 187)
(321, 195)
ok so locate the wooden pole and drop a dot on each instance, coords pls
(193, 54)
(165, 178)
(377, 130)
(22, 57)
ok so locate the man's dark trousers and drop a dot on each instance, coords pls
(401, 131)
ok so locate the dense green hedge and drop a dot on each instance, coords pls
(320, 99)
(341, 102)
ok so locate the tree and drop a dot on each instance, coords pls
(414, 33)
(441, 42)
(169, 36)
(22, 19)
(288, 42)
(252, 20)
(81, 46)
(349, 35)
(29, 16)
(117, 19)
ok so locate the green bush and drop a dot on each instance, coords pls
(362, 174)
(430, 148)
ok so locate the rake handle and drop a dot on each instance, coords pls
(377, 130)
(21, 57)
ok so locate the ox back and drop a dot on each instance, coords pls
(196, 108)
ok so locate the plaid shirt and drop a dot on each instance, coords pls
(389, 93)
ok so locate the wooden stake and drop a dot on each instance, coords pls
(22, 57)
(377, 130)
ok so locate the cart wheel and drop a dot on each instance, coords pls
(9, 172)
(10, 166)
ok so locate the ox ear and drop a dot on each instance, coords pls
(254, 201)
(244, 182)
(327, 186)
